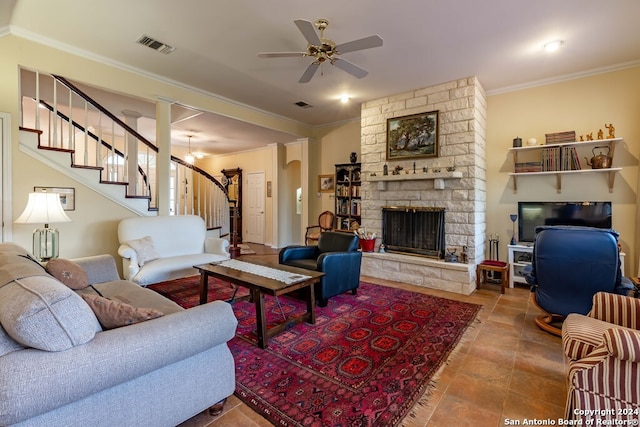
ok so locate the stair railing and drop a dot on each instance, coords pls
(71, 121)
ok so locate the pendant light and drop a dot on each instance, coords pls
(189, 158)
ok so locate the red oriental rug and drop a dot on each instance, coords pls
(368, 359)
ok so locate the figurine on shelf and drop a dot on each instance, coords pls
(600, 134)
(464, 255)
(385, 170)
(451, 255)
(581, 138)
(612, 130)
(590, 136)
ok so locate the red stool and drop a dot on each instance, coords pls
(491, 265)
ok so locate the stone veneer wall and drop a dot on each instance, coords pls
(462, 130)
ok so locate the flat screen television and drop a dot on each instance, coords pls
(586, 214)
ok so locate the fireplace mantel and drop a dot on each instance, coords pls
(437, 177)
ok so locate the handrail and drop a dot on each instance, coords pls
(95, 137)
(201, 172)
(104, 111)
(194, 191)
(90, 100)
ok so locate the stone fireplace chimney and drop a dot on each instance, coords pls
(455, 181)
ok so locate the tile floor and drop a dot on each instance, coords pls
(504, 369)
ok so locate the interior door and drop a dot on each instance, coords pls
(254, 216)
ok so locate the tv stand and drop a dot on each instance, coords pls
(520, 257)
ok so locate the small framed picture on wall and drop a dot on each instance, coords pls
(326, 183)
(67, 196)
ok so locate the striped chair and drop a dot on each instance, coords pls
(604, 352)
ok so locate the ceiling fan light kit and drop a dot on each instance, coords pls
(325, 50)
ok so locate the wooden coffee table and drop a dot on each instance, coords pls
(260, 286)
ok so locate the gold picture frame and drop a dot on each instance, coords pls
(414, 136)
(326, 183)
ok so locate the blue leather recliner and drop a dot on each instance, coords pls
(336, 255)
(569, 265)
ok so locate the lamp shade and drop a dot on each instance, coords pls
(43, 208)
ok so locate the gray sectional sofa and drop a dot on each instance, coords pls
(59, 368)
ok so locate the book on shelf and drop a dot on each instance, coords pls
(528, 167)
(560, 137)
(558, 159)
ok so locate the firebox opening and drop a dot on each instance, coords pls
(414, 230)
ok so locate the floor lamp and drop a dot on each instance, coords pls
(44, 208)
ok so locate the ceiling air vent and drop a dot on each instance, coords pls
(155, 44)
(303, 104)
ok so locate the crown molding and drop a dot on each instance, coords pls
(564, 78)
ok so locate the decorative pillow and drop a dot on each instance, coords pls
(114, 314)
(42, 313)
(144, 249)
(68, 272)
(7, 344)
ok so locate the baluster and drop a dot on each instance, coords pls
(114, 165)
(71, 142)
(55, 115)
(99, 144)
(86, 133)
(37, 124)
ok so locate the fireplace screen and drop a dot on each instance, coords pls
(417, 231)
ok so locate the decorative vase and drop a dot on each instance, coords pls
(353, 157)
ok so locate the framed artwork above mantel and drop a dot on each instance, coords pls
(413, 136)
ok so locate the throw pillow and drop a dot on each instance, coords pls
(7, 344)
(68, 272)
(144, 249)
(42, 313)
(114, 314)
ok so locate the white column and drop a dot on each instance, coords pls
(163, 160)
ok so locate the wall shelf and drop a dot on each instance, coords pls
(610, 172)
(418, 176)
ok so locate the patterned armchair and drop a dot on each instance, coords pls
(604, 352)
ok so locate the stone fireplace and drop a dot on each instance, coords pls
(455, 182)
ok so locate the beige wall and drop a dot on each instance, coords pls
(333, 146)
(583, 105)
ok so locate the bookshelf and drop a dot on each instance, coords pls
(561, 159)
(347, 196)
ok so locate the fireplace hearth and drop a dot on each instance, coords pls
(414, 230)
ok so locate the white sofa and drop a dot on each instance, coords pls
(176, 244)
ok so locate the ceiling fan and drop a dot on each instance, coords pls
(323, 50)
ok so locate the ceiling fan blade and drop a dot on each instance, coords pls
(360, 44)
(350, 68)
(309, 33)
(309, 72)
(281, 54)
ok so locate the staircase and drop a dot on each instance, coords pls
(69, 131)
